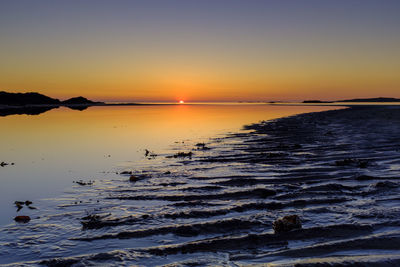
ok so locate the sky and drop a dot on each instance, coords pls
(201, 50)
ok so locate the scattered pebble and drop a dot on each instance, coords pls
(81, 182)
(182, 155)
(3, 164)
(287, 223)
(22, 219)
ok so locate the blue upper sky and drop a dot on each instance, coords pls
(216, 50)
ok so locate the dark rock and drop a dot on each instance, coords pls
(202, 146)
(183, 155)
(91, 221)
(287, 223)
(133, 178)
(28, 202)
(22, 219)
(81, 182)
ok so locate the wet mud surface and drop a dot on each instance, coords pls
(339, 171)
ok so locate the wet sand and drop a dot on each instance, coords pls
(338, 170)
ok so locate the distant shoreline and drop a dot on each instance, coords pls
(33, 103)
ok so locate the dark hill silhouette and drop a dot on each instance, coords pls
(35, 103)
(377, 99)
(22, 99)
(80, 101)
(29, 99)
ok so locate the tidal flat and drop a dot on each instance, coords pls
(212, 201)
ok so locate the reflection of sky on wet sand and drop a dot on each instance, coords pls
(55, 148)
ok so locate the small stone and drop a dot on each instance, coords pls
(287, 223)
(133, 178)
(22, 219)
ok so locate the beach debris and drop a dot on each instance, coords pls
(22, 219)
(3, 164)
(95, 221)
(20, 204)
(149, 154)
(360, 163)
(202, 146)
(133, 178)
(91, 221)
(137, 177)
(81, 182)
(287, 223)
(183, 155)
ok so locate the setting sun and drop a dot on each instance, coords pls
(181, 102)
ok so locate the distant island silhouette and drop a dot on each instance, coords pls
(356, 100)
(378, 99)
(31, 98)
(33, 103)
